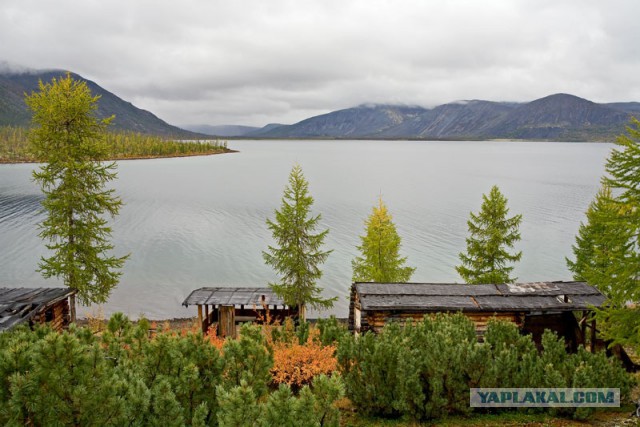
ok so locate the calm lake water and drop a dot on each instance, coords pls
(200, 221)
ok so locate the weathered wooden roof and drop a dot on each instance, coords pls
(17, 305)
(234, 296)
(523, 297)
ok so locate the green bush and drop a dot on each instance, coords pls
(422, 371)
(369, 366)
(238, 406)
(122, 377)
(248, 360)
(425, 370)
(331, 330)
(62, 381)
(302, 332)
(433, 370)
(512, 358)
(314, 407)
(325, 391)
(281, 408)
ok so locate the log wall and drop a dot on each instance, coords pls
(564, 324)
(57, 315)
(376, 320)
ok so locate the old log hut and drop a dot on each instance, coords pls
(227, 307)
(563, 307)
(55, 306)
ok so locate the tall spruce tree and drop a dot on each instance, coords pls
(298, 254)
(380, 249)
(69, 140)
(491, 234)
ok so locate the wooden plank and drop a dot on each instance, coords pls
(593, 336)
(583, 328)
(72, 308)
(227, 323)
(200, 322)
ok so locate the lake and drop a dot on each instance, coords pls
(200, 221)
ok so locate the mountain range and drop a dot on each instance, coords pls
(559, 117)
(14, 111)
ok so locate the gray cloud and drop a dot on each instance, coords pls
(255, 62)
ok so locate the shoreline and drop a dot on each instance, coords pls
(173, 322)
(150, 157)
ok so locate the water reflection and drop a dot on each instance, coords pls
(200, 221)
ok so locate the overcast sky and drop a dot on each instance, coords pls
(264, 61)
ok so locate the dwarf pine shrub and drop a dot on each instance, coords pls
(425, 370)
(433, 368)
(331, 330)
(369, 366)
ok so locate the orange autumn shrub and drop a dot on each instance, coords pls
(213, 338)
(294, 364)
(297, 364)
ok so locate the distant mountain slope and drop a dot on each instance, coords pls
(464, 119)
(556, 117)
(222, 130)
(629, 107)
(263, 130)
(13, 110)
(358, 122)
(560, 116)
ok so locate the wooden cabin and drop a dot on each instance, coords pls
(227, 307)
(55, 306)
(563, 307)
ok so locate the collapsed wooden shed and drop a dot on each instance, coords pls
(563, 307)
(55, 306)
(227, 307)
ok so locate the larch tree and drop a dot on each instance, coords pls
(297, 255)
(380, 259)
(607, 247)
(492, 233)
(602, 240)
(69, 140)
(623, 177)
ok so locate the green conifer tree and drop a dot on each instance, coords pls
(609, 256)
(165, 408)
(200, 416)
(380, 249)
(248, 361)
(68, 383)
(588, 233)
(492, 234)
(601, 241)
(280, 409)
(298, 255)
(69, 140)
(623, 169)
(238, 406)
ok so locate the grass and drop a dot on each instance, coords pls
(613, 417)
